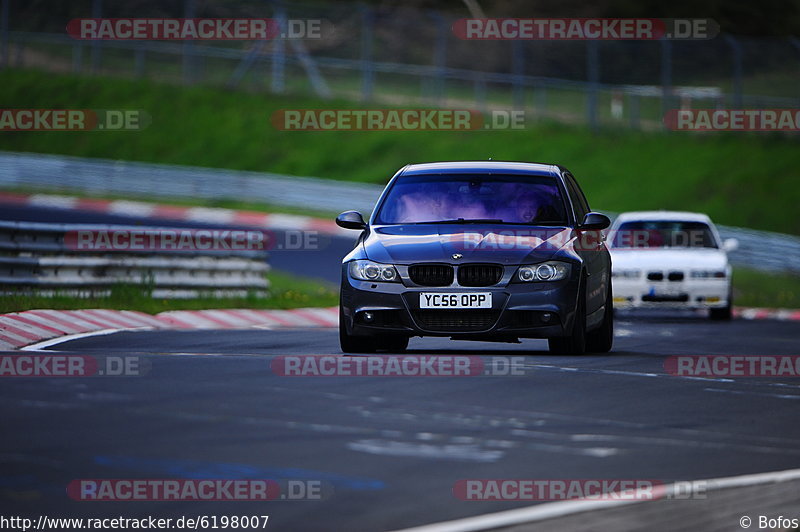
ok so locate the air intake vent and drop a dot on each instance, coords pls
(456, 320)
(479, 274)
(431, 274)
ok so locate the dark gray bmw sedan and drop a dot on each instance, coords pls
(492, 251)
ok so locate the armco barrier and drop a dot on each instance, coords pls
(759, 250)
(35, 256)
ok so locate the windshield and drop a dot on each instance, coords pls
(494, 198)
(663, 234)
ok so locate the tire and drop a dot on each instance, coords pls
(723, 314)
(575, 343)
(353, 344)
(601, 340)
(393, 343)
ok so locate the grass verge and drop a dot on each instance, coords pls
(741, 179)
(287, 291)
(757, 289)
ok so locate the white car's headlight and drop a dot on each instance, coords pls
(626, 274)
(546, 271)
(366, 270)
(708, 274)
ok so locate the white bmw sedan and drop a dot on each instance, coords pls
(664, 259)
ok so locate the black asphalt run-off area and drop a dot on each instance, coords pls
(390, 449)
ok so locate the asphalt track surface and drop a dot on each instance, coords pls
(388, 450)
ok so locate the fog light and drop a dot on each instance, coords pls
(546, 317)
(369, 317)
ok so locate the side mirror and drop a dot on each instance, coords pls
(730, 244)
(351, 220)
(594, 221)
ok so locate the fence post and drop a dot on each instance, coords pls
(541, 99)
(77, 57)
(97, 12)
(736, 48)
(480, 91)
(188, 46)
(794, 41)
(139, 60)
(4, 14)
(367, 70)
(518, 70)
(666, 77)
(593, 73)
(633, 111)
(440, 56)
(279, 52)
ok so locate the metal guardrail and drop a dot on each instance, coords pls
(98, 176)
(760, 250)
(35, 257)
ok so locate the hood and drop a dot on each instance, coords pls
(509, 244)
(666, 259)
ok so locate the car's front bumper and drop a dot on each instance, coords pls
(686, 294)
(519, 310)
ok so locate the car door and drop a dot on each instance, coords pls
(591, 248)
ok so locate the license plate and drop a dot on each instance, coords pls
(455, 300)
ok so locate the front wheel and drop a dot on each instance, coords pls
(395, 343)
(575, 343)
(353, 344)
(602, 339)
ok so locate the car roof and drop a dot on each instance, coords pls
(682, 216)
(482, 167)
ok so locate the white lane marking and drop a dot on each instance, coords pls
(131, 208)
(743, 392)
(622, 333)
(742, 381)
(209, 214)
(542, 512)
(289, 221)
(458, 452)
(59, 202)
(61, 339)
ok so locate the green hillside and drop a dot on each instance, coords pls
(739, 179)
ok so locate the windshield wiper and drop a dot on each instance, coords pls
(469, 221)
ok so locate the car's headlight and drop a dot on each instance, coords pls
(366, 270)
(708, 274)
(626, 274)
(546, 271)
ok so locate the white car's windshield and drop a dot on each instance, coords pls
(663, 234)
(464, 198)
